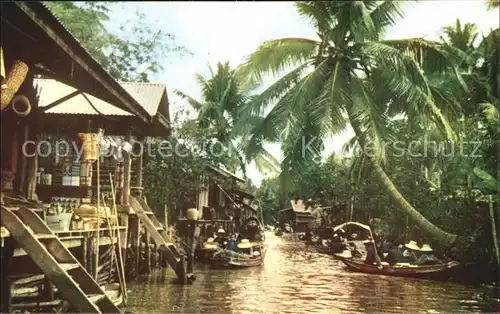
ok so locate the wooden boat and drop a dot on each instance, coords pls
(251, 256)
(209, 249)
(402, 269)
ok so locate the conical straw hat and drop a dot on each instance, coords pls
(244, 244)
(412, 245)
(426, 248)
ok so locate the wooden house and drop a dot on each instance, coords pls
(51, 85)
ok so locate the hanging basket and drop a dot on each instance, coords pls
(90, 147)
(15, 78)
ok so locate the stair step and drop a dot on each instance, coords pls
(69, 266)
(159, 228)
(41, 236)
(149, 213)
(94, 298)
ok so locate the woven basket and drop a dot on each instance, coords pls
(192, 214)
(90, 147)
(15, 78)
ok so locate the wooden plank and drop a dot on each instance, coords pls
(170, 251)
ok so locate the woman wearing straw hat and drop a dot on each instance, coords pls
(427, 257)
(371, 254)
(412, 252)
(221, 237)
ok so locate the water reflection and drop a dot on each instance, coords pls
(296, 279)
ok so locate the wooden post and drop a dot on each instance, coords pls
(148, 252)
(84, 252)
(135, 241)
(127, 164)
(32, 168)
(165, 222)
(139, 163)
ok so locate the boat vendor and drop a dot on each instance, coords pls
(232, 243)
(244, 245)
(371, 254)
(412, 252)
(221, 237)
(395, 256)
(427, 257)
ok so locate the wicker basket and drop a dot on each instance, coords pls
(90, 147)
(192, 214)
(15, 78)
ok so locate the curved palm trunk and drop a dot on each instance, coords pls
(433, 231)
(445, 238)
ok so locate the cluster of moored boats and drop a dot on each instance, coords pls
(353, 243)
(244, 249)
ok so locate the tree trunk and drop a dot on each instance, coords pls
(443, 237)
(494, 231)
(433, 231)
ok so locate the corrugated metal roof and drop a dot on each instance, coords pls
(50, 90)
(148, 95)
(43, 13)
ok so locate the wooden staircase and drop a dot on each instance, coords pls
(56, 261)
(159, 235)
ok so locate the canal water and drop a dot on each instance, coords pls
(295, 279)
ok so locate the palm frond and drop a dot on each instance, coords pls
(275, 56)
(193, 102)
(257, 103)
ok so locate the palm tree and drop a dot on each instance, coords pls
(219, 113)
(350, 76)
(460, 37)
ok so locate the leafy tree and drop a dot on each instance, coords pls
(134, 55)
(177, 168)
(220, 114)
(352, 77)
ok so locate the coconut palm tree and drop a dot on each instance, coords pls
(351, 76)
(224, 94)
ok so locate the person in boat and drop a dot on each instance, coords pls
(426, 257)
(232, 243)
(371, 253)
(412, 252)
(244, 246)
(386, 246)
(221, 237)
(395, 256)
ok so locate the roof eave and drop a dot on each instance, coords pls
(63, 38)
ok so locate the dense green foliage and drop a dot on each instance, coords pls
(133, 53)
(438, 100)
(448, 180)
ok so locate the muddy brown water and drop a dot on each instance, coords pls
(296, 279)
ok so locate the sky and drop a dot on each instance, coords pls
(229, 31)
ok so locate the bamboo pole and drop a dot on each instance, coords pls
(494, 230)
(115, 212)
(98, 218)
(112, 234)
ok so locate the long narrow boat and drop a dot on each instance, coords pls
(231, 259)
(402, 270)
